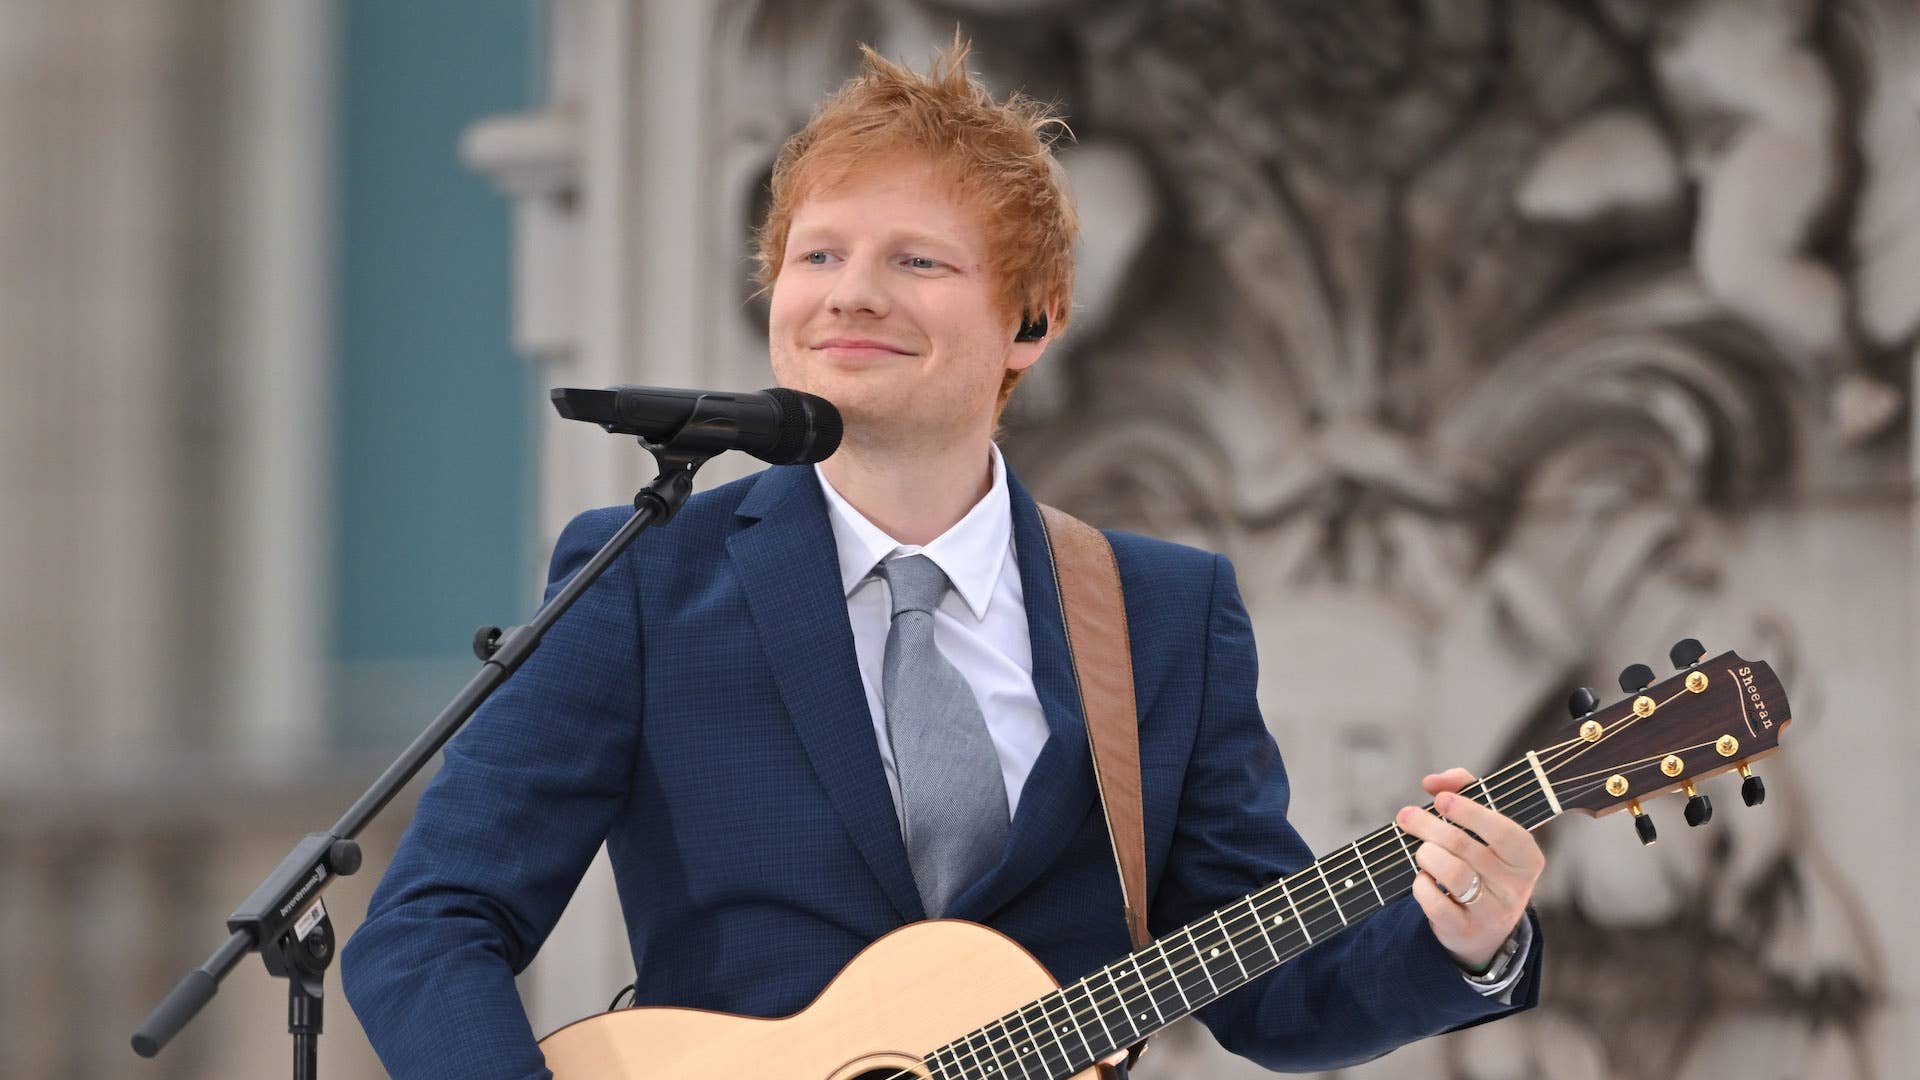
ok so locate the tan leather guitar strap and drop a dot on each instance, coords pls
(1095, 615)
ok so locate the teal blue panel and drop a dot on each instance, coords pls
(434, 454)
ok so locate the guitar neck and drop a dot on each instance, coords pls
(1129, 1001)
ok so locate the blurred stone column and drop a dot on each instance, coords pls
(109, 132)
(95, 242)
(162, 294)
(163, 165)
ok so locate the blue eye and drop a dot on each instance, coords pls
(817, 258)
(921, 262)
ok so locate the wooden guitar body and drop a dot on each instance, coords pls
(913, 990)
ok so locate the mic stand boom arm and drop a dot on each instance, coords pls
(284, 919)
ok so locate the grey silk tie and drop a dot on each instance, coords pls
(953, 801)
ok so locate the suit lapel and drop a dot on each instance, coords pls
(1060, 789)
(783, 550)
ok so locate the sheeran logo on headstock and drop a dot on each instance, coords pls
(1745, 675)
(995, 1012)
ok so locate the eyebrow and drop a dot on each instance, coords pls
(898, 238)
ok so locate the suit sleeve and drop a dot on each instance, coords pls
(501, 837)
(1377, 986)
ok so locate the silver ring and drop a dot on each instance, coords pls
(1471, 892)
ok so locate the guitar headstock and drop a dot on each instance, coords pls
(1715, 715)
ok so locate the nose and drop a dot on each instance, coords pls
(858, 290)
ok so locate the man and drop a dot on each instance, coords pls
(783, 773)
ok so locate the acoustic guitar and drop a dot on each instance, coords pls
(995, 1013)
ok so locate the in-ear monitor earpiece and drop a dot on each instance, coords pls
(1032, 329)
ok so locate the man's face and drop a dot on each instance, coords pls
(884, 306)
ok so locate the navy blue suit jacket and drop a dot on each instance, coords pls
(700, 710)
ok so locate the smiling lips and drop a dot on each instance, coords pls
(853, 346)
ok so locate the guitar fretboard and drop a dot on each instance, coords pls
(1119, 1005)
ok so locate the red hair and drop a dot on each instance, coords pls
(998, 155)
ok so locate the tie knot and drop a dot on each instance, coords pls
(917, 582)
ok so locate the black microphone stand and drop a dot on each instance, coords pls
(284, 919)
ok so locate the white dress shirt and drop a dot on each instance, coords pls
(981, 624)
(981, 627)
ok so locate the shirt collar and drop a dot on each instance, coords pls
(971, 552)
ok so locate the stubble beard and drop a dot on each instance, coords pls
(891, 424)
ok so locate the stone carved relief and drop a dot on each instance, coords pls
(1467, 329)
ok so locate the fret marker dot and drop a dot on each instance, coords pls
(1347, 884)
(1143, 1016)
(1215, 954)
(1276, 920)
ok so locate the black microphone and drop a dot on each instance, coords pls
(776, 425)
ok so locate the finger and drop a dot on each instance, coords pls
(1514, 845)
(1450, 838)
(1440, 827)
(1448, 918)
(1449, 870)
(1452, 780)
(1429, 824)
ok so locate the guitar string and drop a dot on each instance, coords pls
(1627, 766)
(1055, 1008)
(1568, 751)
(1586, 785)
(1314, 913)
(1311, 916)
(1100, 1001)
(1309, 919)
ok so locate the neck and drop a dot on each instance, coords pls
(913, 494)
